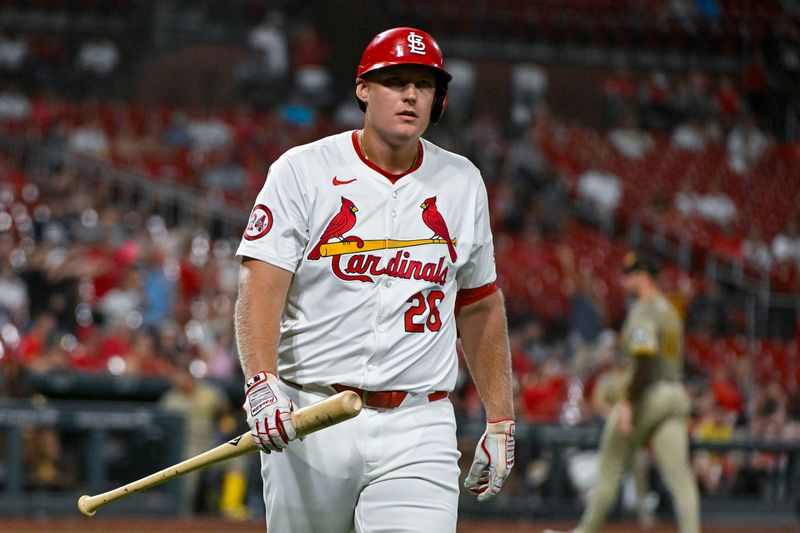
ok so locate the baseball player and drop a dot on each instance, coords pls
(366, 255)
(655, 405)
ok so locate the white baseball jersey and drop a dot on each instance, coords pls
(371, 304)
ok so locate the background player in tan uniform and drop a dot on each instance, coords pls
(655, 405)
(608, 390)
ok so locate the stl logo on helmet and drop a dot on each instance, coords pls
(416, 45)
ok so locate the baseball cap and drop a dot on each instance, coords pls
(638, 261)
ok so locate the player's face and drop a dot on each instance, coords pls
(630, 283)
(636, 283)
(399, 100)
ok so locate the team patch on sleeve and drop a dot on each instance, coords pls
(259, 224)
(644, 339)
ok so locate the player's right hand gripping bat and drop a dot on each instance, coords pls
(338, 408)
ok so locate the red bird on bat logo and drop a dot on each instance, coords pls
(343, 222)
(434, 220)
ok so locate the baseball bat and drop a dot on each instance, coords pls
(351, 247)
(337, 408)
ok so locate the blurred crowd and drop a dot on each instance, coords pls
(89, 285)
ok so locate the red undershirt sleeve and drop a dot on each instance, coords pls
(470, 296)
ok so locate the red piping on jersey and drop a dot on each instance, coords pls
(470, 296)
(388, 175)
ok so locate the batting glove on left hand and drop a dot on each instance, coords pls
(494, 458)
(268, 413)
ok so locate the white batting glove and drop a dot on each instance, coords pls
(494, 458)
(268, 413)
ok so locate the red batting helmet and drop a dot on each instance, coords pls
(407, 46)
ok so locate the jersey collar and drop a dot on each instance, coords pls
(388, 175)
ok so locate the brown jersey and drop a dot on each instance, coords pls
(653, 328)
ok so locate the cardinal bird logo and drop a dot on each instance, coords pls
(343, 222)
(433, 219)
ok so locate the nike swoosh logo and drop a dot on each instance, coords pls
(337, 181)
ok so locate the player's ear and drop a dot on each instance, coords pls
(361, 93)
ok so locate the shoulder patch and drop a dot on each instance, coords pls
(259, 224)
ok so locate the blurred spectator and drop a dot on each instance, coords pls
(15, 106)
(202, 405)
(14, 53)
(89, 139)
(586, 313)
(714, 206)
(13, 294)
(755, 250)
(269, 40)
(176, 134)
(261, 76)
(208, 132)
(524, 162)
(124, 300)
(48, 466)
(727, 393)
(544, 390)
(142, 359)
(158, 286)
(714, 425)
(629, 139)
(601, 190)
(312, 79)
(35, 342)
(685, 199)
(746, 144)
(55, 356)
(97, 61)
(786, 244)
(689, 135)
(528, 89)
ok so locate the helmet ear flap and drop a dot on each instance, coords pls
(439, 103)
